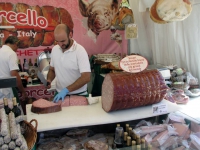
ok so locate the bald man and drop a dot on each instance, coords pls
(69, 65)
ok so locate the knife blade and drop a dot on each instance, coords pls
(41, 77)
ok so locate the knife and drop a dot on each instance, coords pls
(41, 77)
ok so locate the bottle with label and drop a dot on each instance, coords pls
(149, 147)
(125, 138)
(143, 146)
(128, 142)
(16, 109)
(19, 65)
(25, 66)
(30, 62)
(119, 133)
(35, 63)
(127, 127)
(138, 140)
(138, 147)
(133, 145)
(6, 108)
(134, 135)
(130, 131)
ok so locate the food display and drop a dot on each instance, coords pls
(73, 100)
(42, 106)
(11, 136)
(95, 145)
(126, 90)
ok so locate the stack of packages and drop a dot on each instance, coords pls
(11, 135)
(183, 85)
(174, 134)
(74, 139)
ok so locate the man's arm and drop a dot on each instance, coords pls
(50, 76)
(84, 79)
(19, 82)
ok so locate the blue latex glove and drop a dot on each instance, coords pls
(61, 95)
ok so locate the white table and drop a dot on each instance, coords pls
(191, 110)
(77, 116)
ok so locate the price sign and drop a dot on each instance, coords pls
(133, 63)
(159, 109)
(131, 31)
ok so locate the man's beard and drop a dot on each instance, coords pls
(67, 46)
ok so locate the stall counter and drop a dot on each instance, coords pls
(78, 116)
(191, 110)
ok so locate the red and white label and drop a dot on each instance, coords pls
(133, 63)
(29, 19)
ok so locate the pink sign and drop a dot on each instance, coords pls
(38, 92)
(133, 63)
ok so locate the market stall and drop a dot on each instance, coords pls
(111, 35)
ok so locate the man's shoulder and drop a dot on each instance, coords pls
(7, 50)
(55, 47)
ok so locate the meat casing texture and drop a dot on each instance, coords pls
(129, 90)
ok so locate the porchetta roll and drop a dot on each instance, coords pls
(165, 11)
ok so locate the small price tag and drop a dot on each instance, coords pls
(159, 108)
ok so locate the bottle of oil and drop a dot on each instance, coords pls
(19, 65)
(30, 62)
(16, 109)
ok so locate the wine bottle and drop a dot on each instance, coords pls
(25, 66)
(130, 131)
(128, 142)
(134, 135)
(138, 147)
(149, 147)
(16, 109)
(127, 127)
(133, 145)
(138, 140)
(119, 133)
(19, 65)
(30, 62)
(125, 138)
(35, 64)
(143, 146)
(6, 108)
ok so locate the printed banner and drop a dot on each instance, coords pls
(98, 25)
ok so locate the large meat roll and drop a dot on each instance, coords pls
(129, 90)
